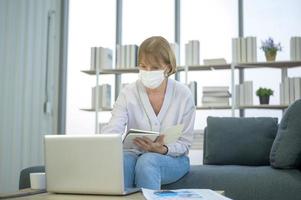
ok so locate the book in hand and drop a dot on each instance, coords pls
(181, 194)
(172, 134)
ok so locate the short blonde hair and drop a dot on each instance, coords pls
(157, 49)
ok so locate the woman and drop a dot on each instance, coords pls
(154, 102)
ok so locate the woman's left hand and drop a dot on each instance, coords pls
(152, 146)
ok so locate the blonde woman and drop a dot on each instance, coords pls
(154, 102)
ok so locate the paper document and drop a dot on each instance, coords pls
(181, 194)
(172, 134)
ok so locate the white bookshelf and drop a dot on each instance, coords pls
(111, 71)
(213, 107)
(276, 64)
(281, 65)
(270, 107)
(284, 65)
(94, 110)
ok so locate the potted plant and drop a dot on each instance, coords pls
(264, 95)
(270, 49)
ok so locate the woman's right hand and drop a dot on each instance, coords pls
(147, 144)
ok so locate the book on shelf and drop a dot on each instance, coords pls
(214, 89)
(244, 93)
(286, 91)
(237, 95)
(244, 49)
(215, 61)
(195, 52)
(251, 49)
(281, 93)
(290, 90)
(241, 95)
(93, 58)
(101, 58)
(235, 50)
(188, 54)
(118, 56)
(193, 88)
(295, 48)
(104, 96)
(215, 96)
(126, 56)
(215, 104)
(192, 53)
(123, 57)
(248, 92)
(243, 42)
(291, 83)
(133, 56)
(171, 135)
(214, 99)
(297, 87)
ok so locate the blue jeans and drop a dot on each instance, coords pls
(151, 170)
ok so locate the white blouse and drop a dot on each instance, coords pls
(133, 109)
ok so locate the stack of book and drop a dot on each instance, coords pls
(193, 88)
(101, 58)
(290, 90)
(244, 94)
(214, 61)
(192, 53)
(244, 50)
(295, 48)
(126, 56)
(104, 96)
(216, 96)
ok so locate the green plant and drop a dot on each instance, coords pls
(264, 92)
(270, 46)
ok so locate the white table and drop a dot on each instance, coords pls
(36, 195)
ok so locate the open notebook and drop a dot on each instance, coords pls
(172, 134)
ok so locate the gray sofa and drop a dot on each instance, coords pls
(250, 158)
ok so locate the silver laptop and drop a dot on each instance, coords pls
(90, 164)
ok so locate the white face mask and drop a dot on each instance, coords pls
(151, 79)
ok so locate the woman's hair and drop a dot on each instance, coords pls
(156, 50)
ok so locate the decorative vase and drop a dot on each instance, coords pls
(264, 99)
(270, 55)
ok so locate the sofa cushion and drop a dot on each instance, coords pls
(239, 141)
(286, 149)
(244, 182)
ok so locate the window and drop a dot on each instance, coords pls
(142, 19)
(214, 23)
(279, 20)
(91, 23)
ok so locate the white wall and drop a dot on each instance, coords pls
(23, 53)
